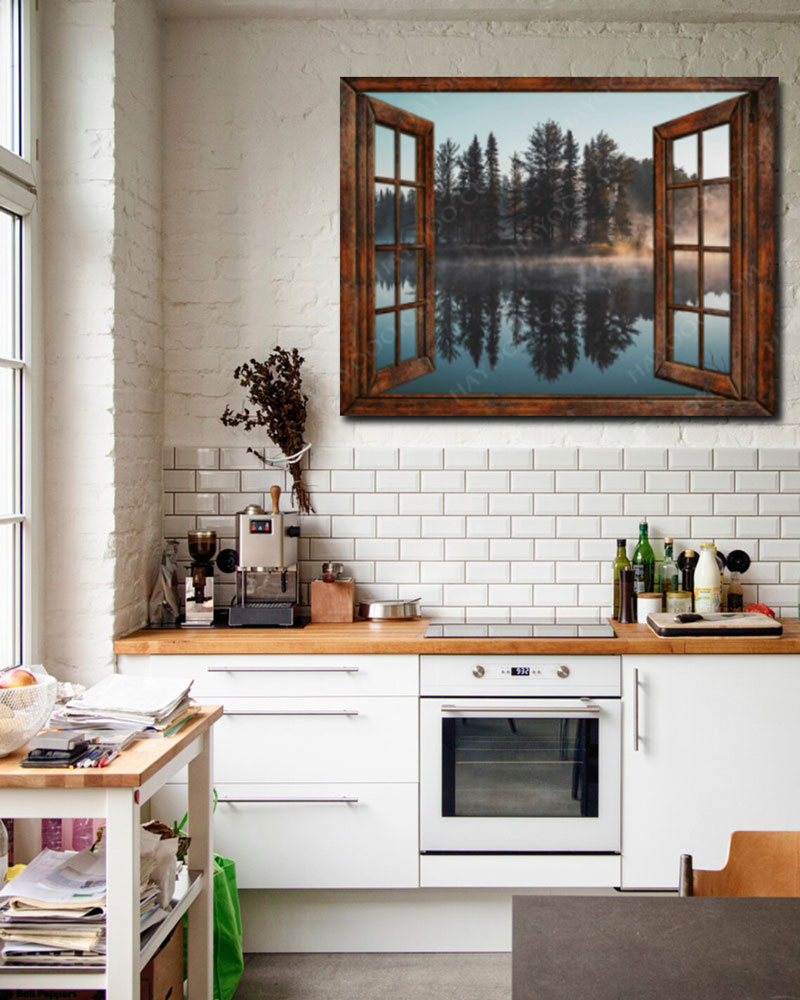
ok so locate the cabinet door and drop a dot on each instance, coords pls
(715, 750)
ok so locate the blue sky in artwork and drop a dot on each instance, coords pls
(628, 117)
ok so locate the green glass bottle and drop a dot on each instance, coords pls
(644, 562)
(621, 561)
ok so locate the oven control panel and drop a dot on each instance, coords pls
(523, 675)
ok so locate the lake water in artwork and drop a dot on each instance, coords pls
(554, 326)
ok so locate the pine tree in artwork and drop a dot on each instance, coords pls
(471, 188)
(493, 194)
(622, 214)
(515, 205)
(543, 189)
(570, 195)
(446, 165)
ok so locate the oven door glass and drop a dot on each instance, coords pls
(520, 774)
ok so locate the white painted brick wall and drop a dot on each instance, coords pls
(470, 562)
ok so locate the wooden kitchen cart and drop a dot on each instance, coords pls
(118, 792)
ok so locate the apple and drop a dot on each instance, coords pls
(17, 677)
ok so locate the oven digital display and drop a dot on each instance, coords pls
(261, 527)
(520, 671)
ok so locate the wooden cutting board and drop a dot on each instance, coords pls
(733, 623)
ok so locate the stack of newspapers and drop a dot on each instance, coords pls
(54, 911)
(148, 706)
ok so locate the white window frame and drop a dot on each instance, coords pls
(18, 195)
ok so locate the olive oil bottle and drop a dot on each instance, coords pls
(644, 562)
(621, 561)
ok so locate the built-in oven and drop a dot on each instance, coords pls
(520, 754)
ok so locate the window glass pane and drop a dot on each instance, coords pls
(408, 215)
(384, 213)
(384, 151)
(410, 284)
(685, 339)
(384, 280)
(684, 215)
(408, 157)
(717, 343)
(685, 280)
(9, 595)
(9, 428)
(9, 76)
(717, 280)
(9, 283)
(384, 340)
(408, 333)
(684, 159)
(716, 152)
(716, 215)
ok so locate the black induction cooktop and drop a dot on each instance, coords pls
(521, 630)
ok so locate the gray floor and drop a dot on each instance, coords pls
(376, 977)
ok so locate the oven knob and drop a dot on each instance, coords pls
(563, 671)
(478, 671)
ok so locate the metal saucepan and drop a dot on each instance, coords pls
(386, 611)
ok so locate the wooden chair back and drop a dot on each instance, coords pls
(760, 863)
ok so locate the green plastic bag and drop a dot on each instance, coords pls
(228, 955)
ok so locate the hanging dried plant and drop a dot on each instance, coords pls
(275, 393)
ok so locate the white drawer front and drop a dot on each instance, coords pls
(317, 739)
(322, 843)
(284, 675)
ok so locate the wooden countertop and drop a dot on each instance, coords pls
(131, 769)
(408, 637)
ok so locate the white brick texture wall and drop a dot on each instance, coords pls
(467, 562)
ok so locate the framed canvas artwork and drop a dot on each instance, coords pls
(558, 246)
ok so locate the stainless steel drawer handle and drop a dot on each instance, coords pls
(288, 711)
(636, 709)
(514, 710)
(337, 799)
(283, 670)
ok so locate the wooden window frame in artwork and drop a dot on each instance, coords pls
(749, 390)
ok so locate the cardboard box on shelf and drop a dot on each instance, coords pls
(162, 977)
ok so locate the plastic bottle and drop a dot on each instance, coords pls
(52, 837)
(706, 581)
(3, 852)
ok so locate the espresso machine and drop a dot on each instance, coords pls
(267, 577)
(199, 584)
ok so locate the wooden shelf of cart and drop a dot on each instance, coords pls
(118, 792)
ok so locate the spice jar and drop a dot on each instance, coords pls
(679, 601)
(647, 604)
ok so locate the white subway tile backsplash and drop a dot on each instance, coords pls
(442, 482)
(645, 458)
(779, 458)
(510, 503)
(465, 458)
(479, 533)
(486, 572)
(577, 482)
(443, 527)
(364, 503)
(375, 458)
(556, 503)
(555, 458)
(600, 458)
(494, 615)
(167, 458)
(532, 482)
(421, 503)
(421, 458)
(532, 572)
(166, 504)
(488, 527)
(179, 481)
(735, 458)
(510, 458)
(422, 548)
(405, 481)
(466, 548)
(487, 482)
(690, 458)
(511, 549)
(375, 592)
(712, 482)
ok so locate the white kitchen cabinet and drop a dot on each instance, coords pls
(709, 747)
(316, 765)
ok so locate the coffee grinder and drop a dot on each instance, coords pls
(267, 577)
(199, 585)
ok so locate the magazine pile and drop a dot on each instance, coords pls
(54, 911)
(144, 706)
